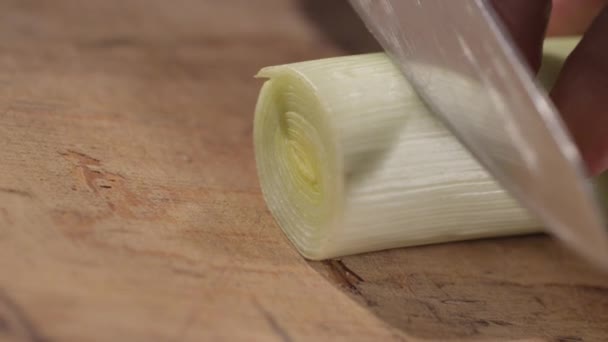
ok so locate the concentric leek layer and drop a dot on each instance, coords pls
(296, 159)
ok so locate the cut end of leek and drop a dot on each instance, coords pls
(296, 158)
(350, 161)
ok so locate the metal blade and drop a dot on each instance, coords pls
(457, 57)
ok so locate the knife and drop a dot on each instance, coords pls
(465, 67)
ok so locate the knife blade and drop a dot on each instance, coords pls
(467, 70)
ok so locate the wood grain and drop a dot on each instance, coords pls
(130, 208)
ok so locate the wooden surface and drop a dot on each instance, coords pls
(130, 208)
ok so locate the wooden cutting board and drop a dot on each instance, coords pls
(130, 208)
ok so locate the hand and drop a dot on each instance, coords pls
(581, 91)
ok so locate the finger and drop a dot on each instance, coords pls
(581, 94)
(573, 17)
(526, 20)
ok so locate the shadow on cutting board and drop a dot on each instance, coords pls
(496, 288)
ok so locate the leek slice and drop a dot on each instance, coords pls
(350, 160)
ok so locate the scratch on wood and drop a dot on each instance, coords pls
(15, 323)
(17, 192)
(80, 157)
(500, 322)
(272, 322)
(568, 339)
(482, 322)
(431, 308)
(117, 192)
(344, 275)
(187, 272)
(540, 301)
(503, 283)
(442, 284)
(462, 301)
(436, 284)
(348, 271)
(346, 278)
(602, 290)
(159, 254)
(488, 322)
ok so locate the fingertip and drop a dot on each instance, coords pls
(573, 17)
(526, 21)
(581, 95)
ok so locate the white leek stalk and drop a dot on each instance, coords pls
(350, 160)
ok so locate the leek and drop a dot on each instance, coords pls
(350, 160)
